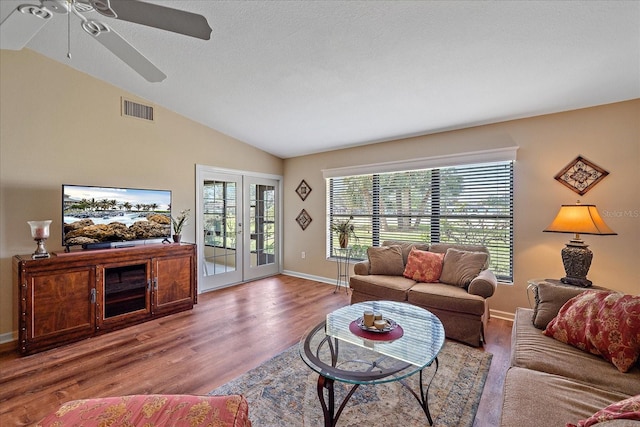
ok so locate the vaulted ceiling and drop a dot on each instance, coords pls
(300, 77)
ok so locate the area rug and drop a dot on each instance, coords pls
(282, 392)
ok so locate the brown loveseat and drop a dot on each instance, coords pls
(462, 307)
(551, 383)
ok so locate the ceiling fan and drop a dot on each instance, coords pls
(26, 20)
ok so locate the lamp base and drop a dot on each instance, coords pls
(576, 281)
(576, 258)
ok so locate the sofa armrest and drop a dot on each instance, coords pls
(361, 268)
(484, 284)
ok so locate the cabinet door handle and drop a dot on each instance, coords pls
(93, 296)
(155, 283)
(149, 285)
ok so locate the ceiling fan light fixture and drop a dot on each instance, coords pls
(82, 6)
(56, 6)
(32, 9)
(27, 20)
(95, 27)
(104, 7)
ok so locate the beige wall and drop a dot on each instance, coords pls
(59, 126)
(608, 135)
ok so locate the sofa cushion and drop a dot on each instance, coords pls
(406, 247)
(385, 260)
(423, 266)
(446, 297)
(442, 248)
(393, 288)
(549, 300)
(536, 399)
(461, 267)
(533, 350)
(602, 323)
(627, 409)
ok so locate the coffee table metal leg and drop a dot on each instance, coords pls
(423, 397)
(328, 408)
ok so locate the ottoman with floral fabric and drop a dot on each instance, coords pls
(151, 411)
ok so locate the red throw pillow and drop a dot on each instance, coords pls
(602, 323)
(628, 409)
(423, 266)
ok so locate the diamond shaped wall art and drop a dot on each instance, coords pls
(303, 190)
(581, 175)
(303, 219)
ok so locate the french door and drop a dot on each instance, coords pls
(239, 218)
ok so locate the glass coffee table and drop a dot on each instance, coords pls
(341, 349)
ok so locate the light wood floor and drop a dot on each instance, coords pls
(228, 332)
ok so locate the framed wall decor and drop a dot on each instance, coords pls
(581, 175)
(303, 190)
(303, 219)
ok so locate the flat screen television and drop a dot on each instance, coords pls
(104, 217)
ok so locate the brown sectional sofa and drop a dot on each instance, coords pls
(463, 311)
(550, 383)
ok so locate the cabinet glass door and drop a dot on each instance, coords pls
(125, 293)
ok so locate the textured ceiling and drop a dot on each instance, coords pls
(300, 77)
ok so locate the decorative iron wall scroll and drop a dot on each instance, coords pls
(303, 190)
(303, 219)
(581, 175)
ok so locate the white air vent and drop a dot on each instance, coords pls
(137, 110)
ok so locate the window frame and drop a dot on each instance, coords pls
(485, 159)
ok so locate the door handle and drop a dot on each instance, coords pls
(93, 296)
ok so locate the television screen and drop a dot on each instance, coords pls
(102, 216)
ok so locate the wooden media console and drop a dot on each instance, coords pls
(76, 295)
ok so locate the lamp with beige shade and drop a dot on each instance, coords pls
(576, 256)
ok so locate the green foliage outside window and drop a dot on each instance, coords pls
(469, 204)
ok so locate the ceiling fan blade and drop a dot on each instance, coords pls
(123, 50)
(153, 15)
(21, 25)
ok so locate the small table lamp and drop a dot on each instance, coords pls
(576, 256)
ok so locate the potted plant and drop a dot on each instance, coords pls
(344, 229)
(179, 222)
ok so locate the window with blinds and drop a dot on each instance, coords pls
(471, 204)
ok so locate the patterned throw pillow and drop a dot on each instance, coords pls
(628, 409)
(423, 266)
(602, 323)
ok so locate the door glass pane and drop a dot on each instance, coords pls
(220, 215)
(262, 224)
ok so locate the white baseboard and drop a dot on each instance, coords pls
(310, 277)
(13, 336)
(8, 337)
(504, 315)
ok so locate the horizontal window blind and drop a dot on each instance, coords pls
(470, 204)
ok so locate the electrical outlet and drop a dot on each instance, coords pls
(303, 254)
